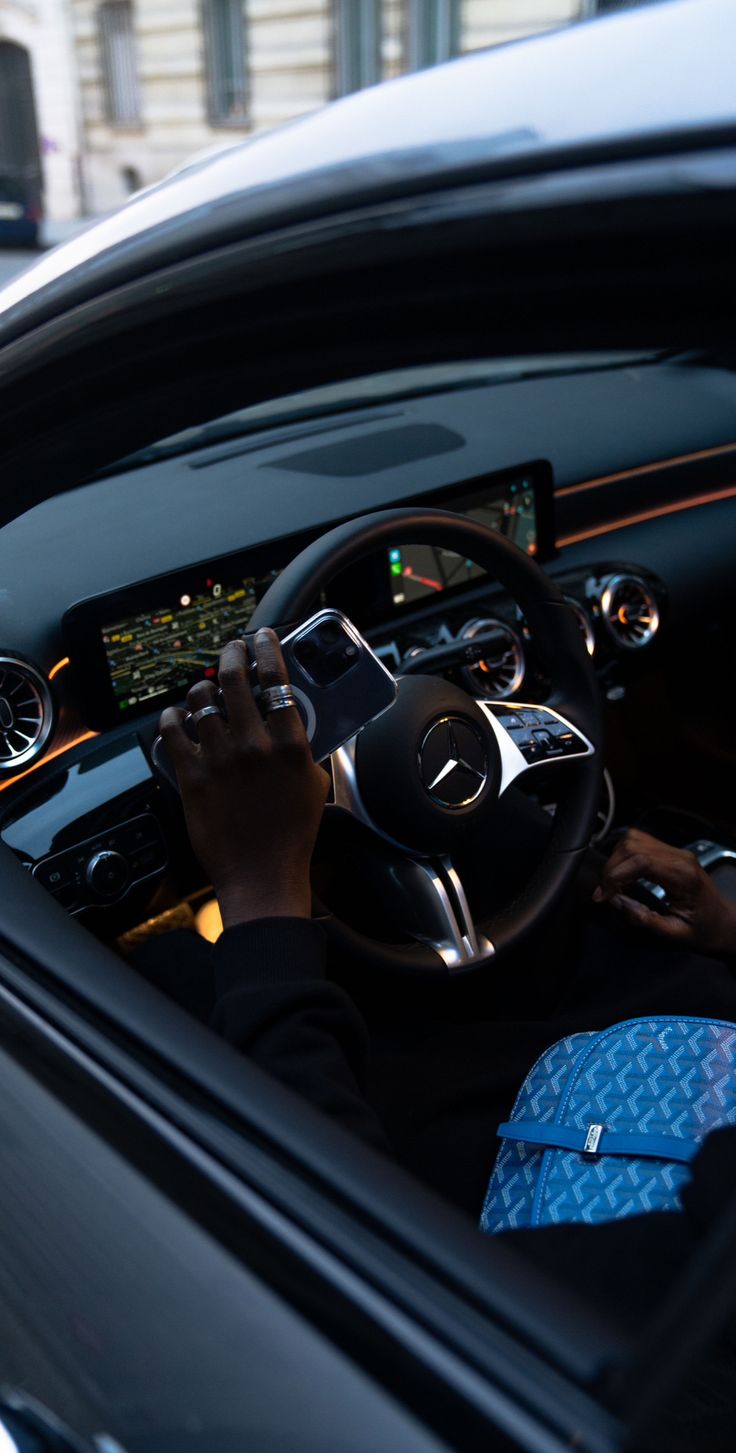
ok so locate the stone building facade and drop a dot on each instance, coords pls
(39, 121)
(161, 80)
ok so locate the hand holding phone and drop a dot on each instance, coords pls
(339, 684)
(252, 794)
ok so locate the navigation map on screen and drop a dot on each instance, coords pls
(418, 571)
(169, 649)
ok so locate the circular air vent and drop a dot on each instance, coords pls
(585, 623)
(629, 610)
(502, 670)
(26, 713)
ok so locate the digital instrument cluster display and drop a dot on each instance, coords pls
(419, 571)
(165, 649)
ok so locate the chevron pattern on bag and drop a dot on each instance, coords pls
(647, 1076)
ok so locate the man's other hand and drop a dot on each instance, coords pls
(696, 915)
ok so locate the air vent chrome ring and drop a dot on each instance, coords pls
(26, 713)
(629, 610)
(502, 672)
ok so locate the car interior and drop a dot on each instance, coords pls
(123, 627)
(612, 469)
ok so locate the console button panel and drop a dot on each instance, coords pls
(104, 868)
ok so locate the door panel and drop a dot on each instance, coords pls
(124, 1318)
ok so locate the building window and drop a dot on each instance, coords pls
(606, 7)
(357, 44)
(433, 32)
(119, 70)
(227, 62)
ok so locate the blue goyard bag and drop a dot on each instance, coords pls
(606, 1123)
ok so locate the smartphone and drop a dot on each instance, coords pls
(339, 684)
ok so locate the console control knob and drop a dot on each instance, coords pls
(107, 873)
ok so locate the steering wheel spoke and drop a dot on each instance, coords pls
(425, 895)
(436, 911)
(531, 736)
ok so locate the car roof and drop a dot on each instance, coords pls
(633, 77)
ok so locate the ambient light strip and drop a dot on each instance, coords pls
(657, 514)
(676, 459)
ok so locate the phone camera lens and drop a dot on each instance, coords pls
(328, 634)
(308, 652)
(326, 653)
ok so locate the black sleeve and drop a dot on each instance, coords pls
(273, 1002)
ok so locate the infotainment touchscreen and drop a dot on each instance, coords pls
(509, 506)
(166, 648)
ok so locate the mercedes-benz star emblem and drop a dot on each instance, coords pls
(453, 763)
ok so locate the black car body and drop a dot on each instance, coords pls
(191, 1257)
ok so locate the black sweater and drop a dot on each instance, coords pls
(274, 1003)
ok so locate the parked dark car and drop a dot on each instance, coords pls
(20, 212)
(504, 288)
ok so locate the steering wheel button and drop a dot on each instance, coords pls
(522, 736)
(551, 747)
(533, 753)
(571, 743)
(531, 718)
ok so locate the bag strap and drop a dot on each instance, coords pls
(596, 1140)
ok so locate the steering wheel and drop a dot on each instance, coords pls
(432, 768)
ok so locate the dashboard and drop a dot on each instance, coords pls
(104, 621)
(97, 831)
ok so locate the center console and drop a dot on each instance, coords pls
(96, 829)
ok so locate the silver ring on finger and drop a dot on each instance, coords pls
(196, 716)
(273, 697)
(280, 705)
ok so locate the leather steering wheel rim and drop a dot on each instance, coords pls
(561, 650)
